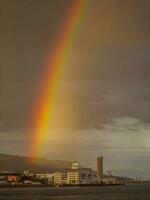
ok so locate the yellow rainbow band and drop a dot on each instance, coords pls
(57, 62)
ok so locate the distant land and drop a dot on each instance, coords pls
(21, 163)
(132, 173)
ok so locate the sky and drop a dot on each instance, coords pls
(104, 92)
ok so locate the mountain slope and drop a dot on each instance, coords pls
(20, 163)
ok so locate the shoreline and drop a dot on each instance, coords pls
(58, 186)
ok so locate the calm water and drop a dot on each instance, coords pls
(134, 192)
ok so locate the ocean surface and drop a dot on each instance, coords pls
(134, 192)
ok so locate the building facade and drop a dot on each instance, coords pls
(10, 176)
(99, 168)
(78, 175)
(57, 178)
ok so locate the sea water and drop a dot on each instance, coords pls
(127, 192)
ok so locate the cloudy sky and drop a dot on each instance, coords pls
(104, 93)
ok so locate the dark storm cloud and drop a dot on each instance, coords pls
(28, 29)
(109, 71)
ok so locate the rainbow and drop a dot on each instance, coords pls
(54, 69)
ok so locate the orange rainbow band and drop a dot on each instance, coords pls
(55, 67)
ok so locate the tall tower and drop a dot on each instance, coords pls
(99, 168)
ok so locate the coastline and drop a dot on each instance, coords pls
(56, 186)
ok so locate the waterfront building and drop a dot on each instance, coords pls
(73, 177)
(10, 176)
(52, 178)
(28, 174)
(57, 178)
(79, 175)
(41, 176)
(110, 180)
(3, 182)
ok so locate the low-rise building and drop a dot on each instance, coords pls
(3, 182)
(73, 177)
(28, 173)
(57, 178)
(10, 176)
(41, 176)
(110, 180)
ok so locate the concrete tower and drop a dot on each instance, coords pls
(99, 168)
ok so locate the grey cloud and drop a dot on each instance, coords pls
(122, 147)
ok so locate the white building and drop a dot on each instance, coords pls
(73, 177)
(28, 173)
(78, 175)
(57, 178)
(52, 178)
(75, 165)
(41, 176)
(110, 180)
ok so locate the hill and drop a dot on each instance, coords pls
(20, 163)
